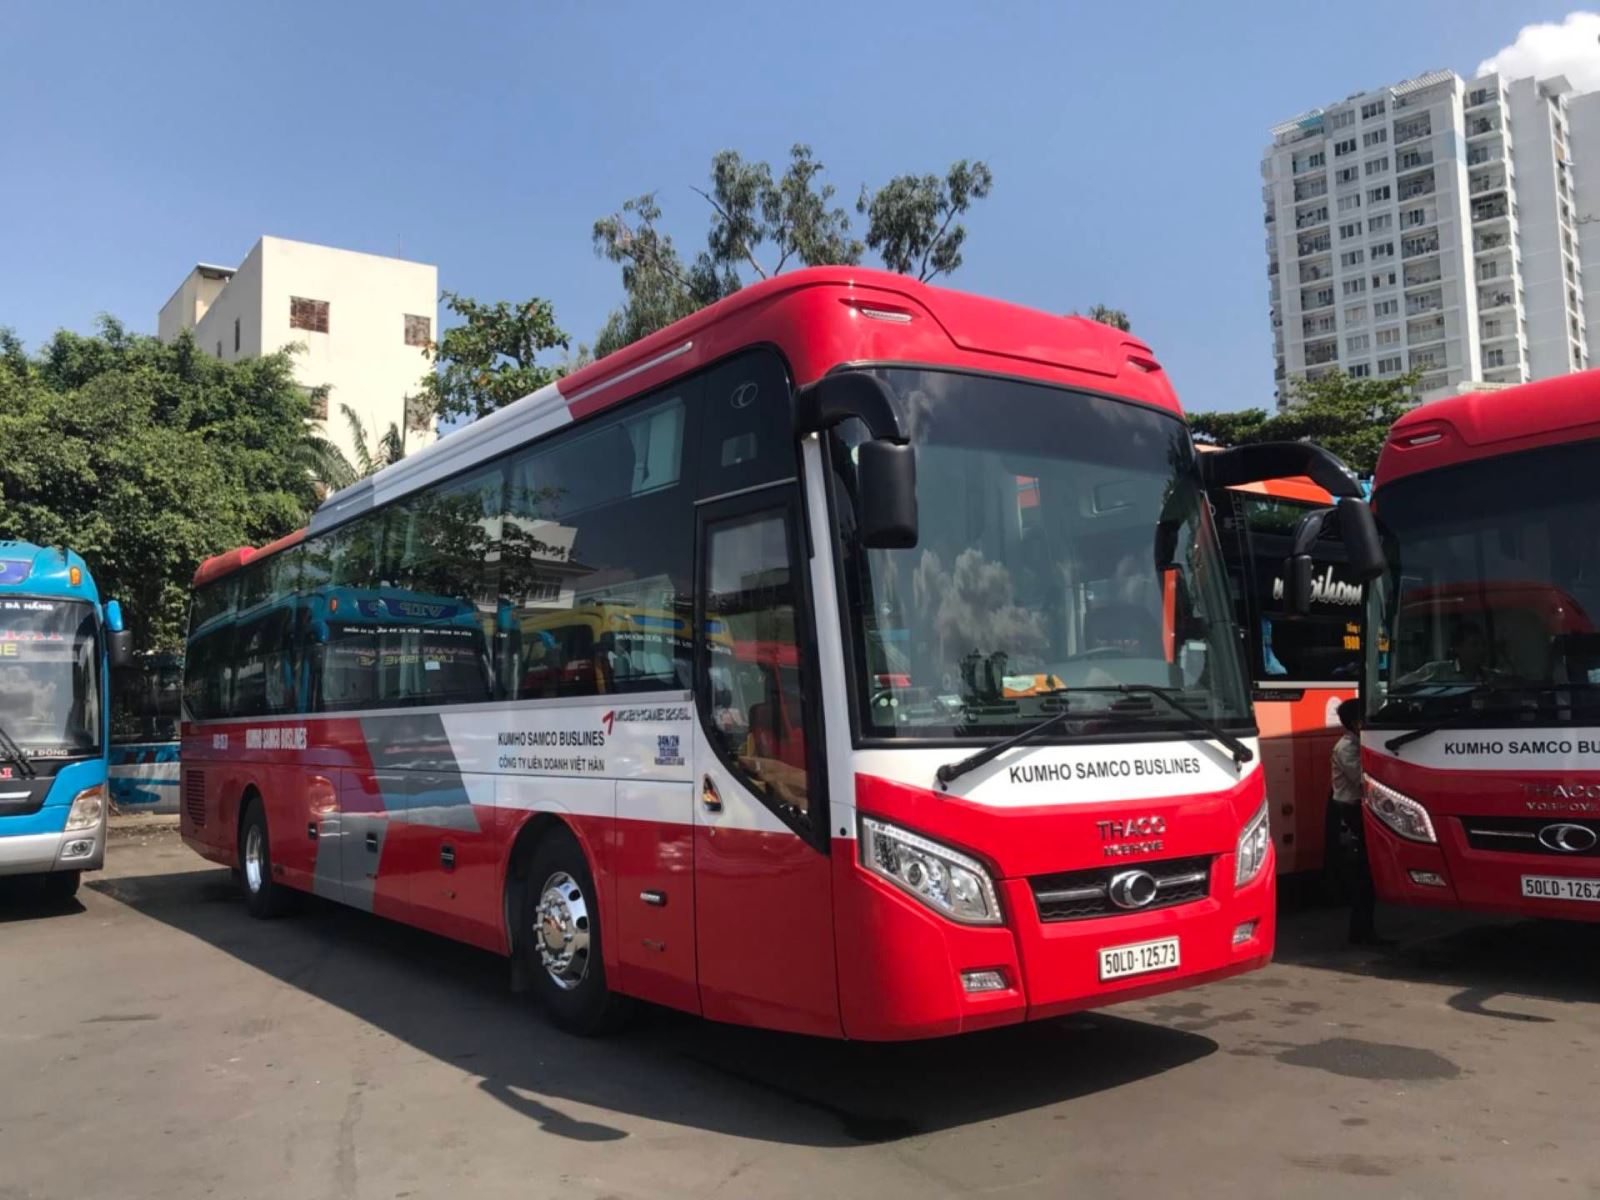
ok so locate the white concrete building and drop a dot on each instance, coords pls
(1431, 226)
(363, 322)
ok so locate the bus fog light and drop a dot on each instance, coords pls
(1250, 855)
(88, 807)
(1427, 878)
(983, 981)
(946, 880)
(81, 848)
(1398, 811)
(1243, 933)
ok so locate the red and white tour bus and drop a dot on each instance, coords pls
(1482, 683)
(781, 700)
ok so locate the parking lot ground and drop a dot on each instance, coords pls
(156, 1042)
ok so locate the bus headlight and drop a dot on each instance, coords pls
(1250, 855)
(88, 807)
(946, 880)
(1398, 811)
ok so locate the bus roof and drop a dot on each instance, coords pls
(818, 318)
(1484, 424)
(45, 571)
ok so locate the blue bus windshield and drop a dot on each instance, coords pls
(50, 676)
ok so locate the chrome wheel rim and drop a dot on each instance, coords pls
(561, 931)
(255, 854)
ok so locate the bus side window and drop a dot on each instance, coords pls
(747, 432)
(755, 664)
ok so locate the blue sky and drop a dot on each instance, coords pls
(1125, 140)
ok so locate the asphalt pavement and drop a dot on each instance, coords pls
(156, 1042)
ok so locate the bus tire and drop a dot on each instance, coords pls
(61, 886)
(558, 939)
(264, 897)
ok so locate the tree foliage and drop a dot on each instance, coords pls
(762, 223)
(147, 458)
(1113, 317)
(1349, 416)
(492, 357)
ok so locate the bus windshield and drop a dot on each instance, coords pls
(1485, 613)
(1064, 544)
(49, 676)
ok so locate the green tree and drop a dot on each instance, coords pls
(1349, 416)
(492, 357)
(147, 458)
(1113, 317)
(913, 223)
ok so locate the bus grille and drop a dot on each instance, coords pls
(194, 797)
(1520, 835)
(1073, 895)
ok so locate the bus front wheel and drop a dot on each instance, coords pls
(263, 896)
(559, 938)
(61, 886)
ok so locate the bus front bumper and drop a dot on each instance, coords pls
(38, 853)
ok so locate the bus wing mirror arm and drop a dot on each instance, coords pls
(886, 466)
(1274, 460)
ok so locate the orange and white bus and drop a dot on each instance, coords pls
(1301, 666)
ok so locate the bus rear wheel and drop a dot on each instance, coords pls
(559, 939)
(264, 897)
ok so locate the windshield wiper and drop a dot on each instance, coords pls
(1241, 753)
(951, 771)
(10, 749)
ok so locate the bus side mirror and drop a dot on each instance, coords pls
(886, 467)
(1358, 529)
(887, 476)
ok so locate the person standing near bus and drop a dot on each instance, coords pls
(1346, 841)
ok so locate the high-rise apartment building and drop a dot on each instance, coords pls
(363, 322)
(1434, 226)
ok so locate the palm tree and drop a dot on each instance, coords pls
(328, 468)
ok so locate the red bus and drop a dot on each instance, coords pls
(1482, 683)
(1302, 665)
(796, 714)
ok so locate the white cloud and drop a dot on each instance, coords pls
(1571, 48)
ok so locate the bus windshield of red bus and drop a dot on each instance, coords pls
(1064, 543)
(49, 676)
(1486, 611)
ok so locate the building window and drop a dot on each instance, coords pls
(1386, 308)
(419, 330)
(1350, 231)
(219, 347)
(317, 402)
(308, 314)
(236, 335)
(1347, 203)
(1357, 343)
(1348, 174)
(1375, 138)
(1351, 258)
(1343, 119)
(1377, 166)
(1360, 370)
(1375, 109)
(1383, 250)
(1348, 146)
(1389, 366)
(1379, 223)
(1381, 279)
(1354, 287)
(1355, 314)
(1379, 194)
(1389, 337)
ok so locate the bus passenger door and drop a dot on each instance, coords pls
(763, 899)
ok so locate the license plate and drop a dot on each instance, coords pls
(1138, 959)
(1553, 887)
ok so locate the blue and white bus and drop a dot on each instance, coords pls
(146, 697)
(57, 644)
